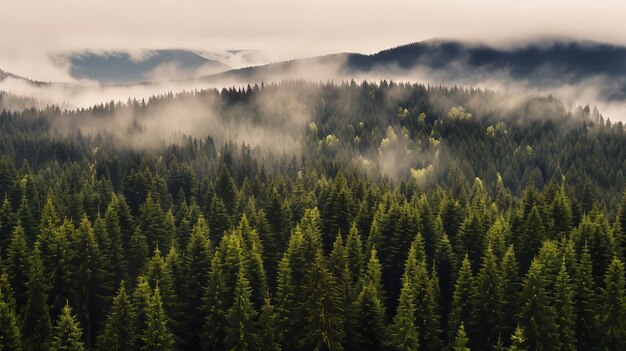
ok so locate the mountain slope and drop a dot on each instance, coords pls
(151, 65)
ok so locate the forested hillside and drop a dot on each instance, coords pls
(337, 217)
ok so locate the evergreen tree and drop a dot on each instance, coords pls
(404, 334)
(241, 333)
(66, 334)
(10, 337)
(564, 308)
(152, 223)
(119, 332)
(370, 309)
(115, 251)
(511, 288)
(89, 281)
(269, 328)
(198, 256)
(322, 309)
(488, 301)
(8, 220)
(156, 336)
(530, 242)
(538, 317)
(424, 292)
(613, 317)
(137, 253)
(461, 341)
(461, 309)
(586, 303)
(17, 264)
(354, 255)
(517, 340)
(287, 308)
(36, 320)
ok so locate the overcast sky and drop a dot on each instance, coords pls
(33, 31)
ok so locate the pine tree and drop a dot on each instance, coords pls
(354, 255)
(36, 320)
(269, 328)
(404, 334)
(8, 220)
(286, 305)
(119, 333)
(538, 316)
(370, 309)
(10, 337)
(613, 318)
(586, 303)
(253, 256)
(564, 308)
(561, 212)
(158, 274)
(532, 239)
(322, 309)
(137, 253)
(89, 280)
(17, 264)
(424, 292)
(517, 340)
(115, 251)
(511, 288)
(241, 331)
(488, 301)
(66, 334)
(152, 223)
(156, 336)
(446, 264)
(461, 309)
(142, 297)
(461, 341)
(198, 256)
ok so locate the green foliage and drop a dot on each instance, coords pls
(515, 218)
(36, 326)
(67, 334)
(461, 341)
(119, 332)
(614, 306)
(10, 336)
(156, 336)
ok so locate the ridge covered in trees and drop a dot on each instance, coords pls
(497, 225)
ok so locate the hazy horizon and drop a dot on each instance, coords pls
(36, 35)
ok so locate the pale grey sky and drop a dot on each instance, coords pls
(33, 30)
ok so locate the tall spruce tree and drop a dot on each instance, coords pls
(10, 337)
(538, 316)
(67, 334)
(241, 329)
(369, 309)
(564, 308)
(156, 336)
(36, 326)
(613, 316)
(322, 309)
(119, 332)
(403, 333)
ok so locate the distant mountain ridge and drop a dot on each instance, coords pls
(545, 63)
(119, 67)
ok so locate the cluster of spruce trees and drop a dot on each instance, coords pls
(518, 244)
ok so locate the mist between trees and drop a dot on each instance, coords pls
(313, 216)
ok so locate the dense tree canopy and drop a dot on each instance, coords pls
(403, 217)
